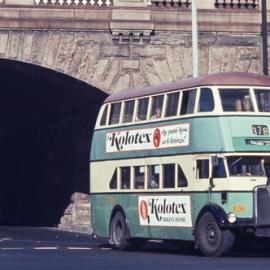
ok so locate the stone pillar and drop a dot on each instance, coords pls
(131, 21)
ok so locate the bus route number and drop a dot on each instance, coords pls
(260, 130)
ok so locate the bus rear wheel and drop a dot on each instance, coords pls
(118, 232)
(211, 239)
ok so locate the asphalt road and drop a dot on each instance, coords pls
(45, 248)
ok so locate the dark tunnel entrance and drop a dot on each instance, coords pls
(46, 121)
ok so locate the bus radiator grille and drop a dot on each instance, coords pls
(263, 206)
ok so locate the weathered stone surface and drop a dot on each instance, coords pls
(123, 83)
(148, 51)
(52, 49)
(110, 73)
(174, 61)
(3, 43)
(79, 197)
(237, 39)
(150, 72)
(163, 69)
(39, 47)
(66, 49)
(77, 216)
(130, 64)
(26, 48)
(15, 40)
(114, 50)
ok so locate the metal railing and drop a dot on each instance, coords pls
(237, 3)
(75, 2)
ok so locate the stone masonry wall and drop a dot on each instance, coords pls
(94, 58)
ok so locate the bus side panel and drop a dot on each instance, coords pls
(102, 206)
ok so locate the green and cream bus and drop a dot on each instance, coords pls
(187, 160)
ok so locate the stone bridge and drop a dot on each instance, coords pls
(55, 55)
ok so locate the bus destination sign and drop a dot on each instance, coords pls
(148, 138)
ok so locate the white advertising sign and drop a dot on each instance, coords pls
(148, 138)
(167, 211)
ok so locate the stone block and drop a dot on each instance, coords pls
(15, 40)
(163, 70)
(3, 43)
(78, 197)
(130, 64)
(65, 52)
(39, 47)
(26, 47)
(123, 83)
(237, 40)
(52, 48)
(148, 51)
(120, 50)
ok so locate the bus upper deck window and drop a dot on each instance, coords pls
(236, 100)
(172, 104)
(206, 103)
(128, 111)
(115, 113)
(157, 105)
(263, 99)
(188, 101)
(142, 109)
(104, 116)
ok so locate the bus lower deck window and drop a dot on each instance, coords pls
(202, 168)
(139, 172)
(168, 175)
(125, 177)
(153, 176)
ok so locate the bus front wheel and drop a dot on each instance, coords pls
(211, 239)
(118, 231)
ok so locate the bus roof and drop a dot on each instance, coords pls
(226, 79)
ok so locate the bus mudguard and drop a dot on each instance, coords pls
(218, 213)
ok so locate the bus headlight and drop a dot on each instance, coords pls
(231, 217)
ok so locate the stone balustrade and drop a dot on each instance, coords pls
(170, 3)
(75, 2)
(237, 3)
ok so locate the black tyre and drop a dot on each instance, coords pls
(211, 239)
(118, 232)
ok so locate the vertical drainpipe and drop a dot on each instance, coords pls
(264, 38)
(195, 67)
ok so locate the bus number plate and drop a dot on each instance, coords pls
(260, 130)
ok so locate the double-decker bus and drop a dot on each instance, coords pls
(187, 160)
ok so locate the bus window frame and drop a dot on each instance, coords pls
(199, 91)
(107, 105)
(149, 116)
(238, 87)
(166, 103)
(123, 113)
(120, 115)
(195, 103)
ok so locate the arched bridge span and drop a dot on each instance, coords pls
(46, 120)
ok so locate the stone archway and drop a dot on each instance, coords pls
(46, 119)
